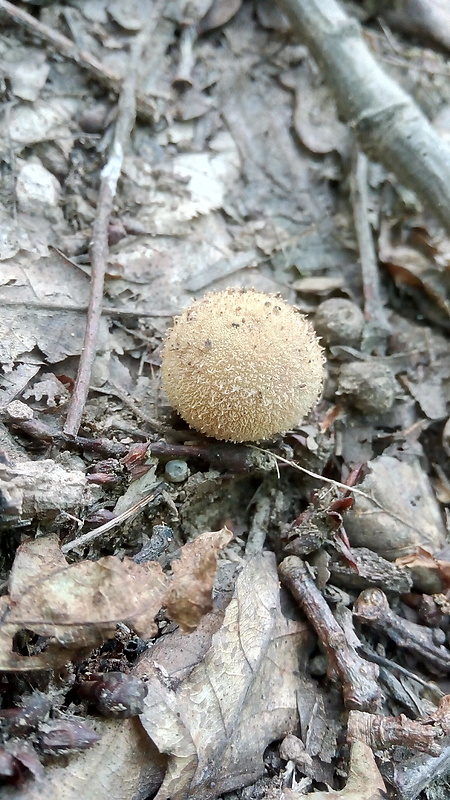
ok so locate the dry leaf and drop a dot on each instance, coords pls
(426, 568)
(242, 695)
(403, 513)
(124, 764)
(315, 117)
(219, 13)
(190, 594)
(420, 268)
(78, 605)
(364, 780)
(75, 605)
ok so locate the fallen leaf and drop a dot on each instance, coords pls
(424, 564)
(78, 605)
(242, 695)
(219, 13)
(364, 780)
(315, 117)
(190, 594)
(123, 764)
(399, 511)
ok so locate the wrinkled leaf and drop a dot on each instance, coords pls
(78, 605)
(364, 780)
(240, 697)
(399, 511)
(189, 596)
(123, 764)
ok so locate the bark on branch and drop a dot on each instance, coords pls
(390, 127)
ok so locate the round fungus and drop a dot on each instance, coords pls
(241, 365)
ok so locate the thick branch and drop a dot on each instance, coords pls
(390, 127)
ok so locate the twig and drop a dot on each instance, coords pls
(91, 536)
(352, 489)
(384, 733)
(390, 127)
(67, 48)
(311, 474)
(372, 608)
(99, 248)
(109, 310)
(373, 303)
(358, 677)
(183, 77)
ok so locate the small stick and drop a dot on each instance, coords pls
(99, 248)
(372, 608)
(183, 77)
(383, 733)
(373, 304)
(109, 310)
(91, 536)
(358, 677)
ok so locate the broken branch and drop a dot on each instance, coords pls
(389, 126)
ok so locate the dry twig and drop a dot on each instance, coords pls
(373, 303)
(358, 677)
(91, 536)
(99, 249)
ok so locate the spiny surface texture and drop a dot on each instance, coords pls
(241, 365)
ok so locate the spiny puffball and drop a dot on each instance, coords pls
(241, 365)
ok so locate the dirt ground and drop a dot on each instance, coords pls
(181, 616)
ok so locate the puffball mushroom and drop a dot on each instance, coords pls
(242, 365)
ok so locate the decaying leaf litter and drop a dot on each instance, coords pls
(149, 158)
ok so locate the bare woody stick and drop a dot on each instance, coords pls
(373, 304)
(126, 117)
(390, 127)
(358, 677)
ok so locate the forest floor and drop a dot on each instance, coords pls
(183, 617)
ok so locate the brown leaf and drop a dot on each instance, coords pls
(123, 764)
(240, 697)
(76, 605)
(420, 267)
(364, 780)
(428, 566)
(190, 593)
(399, 511)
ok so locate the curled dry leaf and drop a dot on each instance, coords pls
(315, 118)
(242, 695)
(78, 605)
(426, 569)
(123, 764)
(190, 594)
(364, 780)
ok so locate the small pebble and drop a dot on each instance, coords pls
(176, 471)
(37, 190)
(339, 321)
(370, 386)
(17, 411)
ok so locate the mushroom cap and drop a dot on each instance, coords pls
(242, 365)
